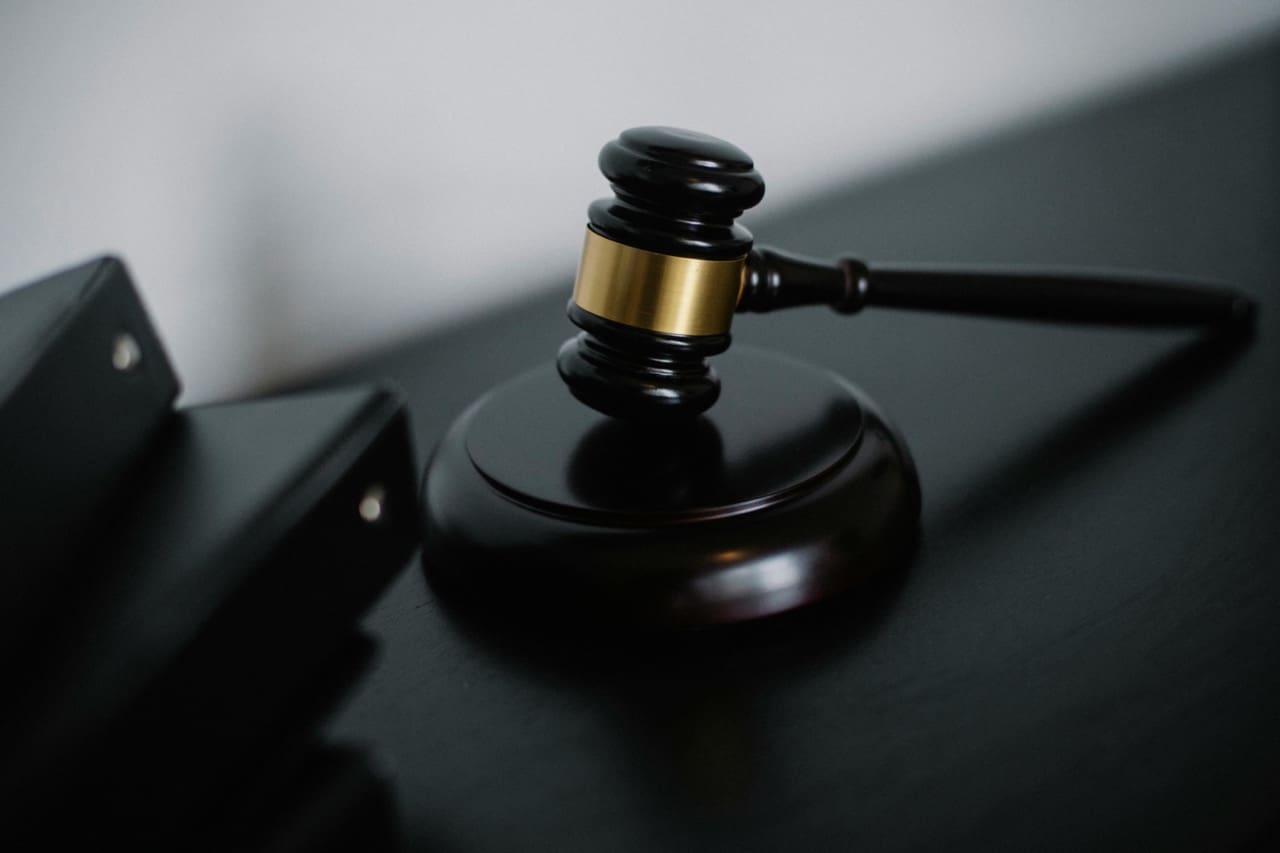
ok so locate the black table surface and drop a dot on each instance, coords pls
(1085, 651)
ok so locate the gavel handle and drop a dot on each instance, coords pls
(777, 279)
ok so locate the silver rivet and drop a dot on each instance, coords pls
(371, 503)
(125, 352)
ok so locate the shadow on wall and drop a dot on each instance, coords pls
(316, 255)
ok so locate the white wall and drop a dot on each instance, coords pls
(291, 181)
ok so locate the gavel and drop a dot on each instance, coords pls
(662, 501)
(665, 266)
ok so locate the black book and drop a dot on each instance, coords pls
(84, 386)
(236, 568)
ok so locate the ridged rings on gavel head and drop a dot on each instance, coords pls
(661, 273)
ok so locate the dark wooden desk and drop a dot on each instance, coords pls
(1086, 651)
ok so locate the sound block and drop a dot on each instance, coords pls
(793, 488)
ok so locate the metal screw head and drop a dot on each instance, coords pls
(125, 352)
(372, 505)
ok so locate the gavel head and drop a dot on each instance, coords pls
(661, 273)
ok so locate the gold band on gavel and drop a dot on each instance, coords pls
(661, 293)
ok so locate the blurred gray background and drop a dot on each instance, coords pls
(295, 182)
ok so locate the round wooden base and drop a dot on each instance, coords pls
(793, 488)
